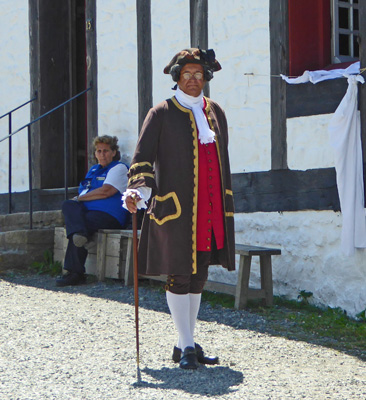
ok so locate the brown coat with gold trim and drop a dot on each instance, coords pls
(166, 160)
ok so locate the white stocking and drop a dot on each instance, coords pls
(195, 302)
(179, 306)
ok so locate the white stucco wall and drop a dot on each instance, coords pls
(239, 34)
(308, 142)
(14, 90)
(170, 33)
(117, 73)
(311, 257)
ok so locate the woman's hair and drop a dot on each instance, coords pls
(111, 141)
(176, 69)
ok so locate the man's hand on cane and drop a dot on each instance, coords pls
(131, 201)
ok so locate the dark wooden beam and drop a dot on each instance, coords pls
(199, 23)
(51, 77)
(286, 190)
(309, 99)
(199, 28)
(35, 84)
(144, 58)
(91, 76)
(278, 23)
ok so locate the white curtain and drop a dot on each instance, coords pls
(345, 138)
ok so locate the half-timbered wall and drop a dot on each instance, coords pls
(283, 175)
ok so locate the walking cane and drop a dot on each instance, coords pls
(136, 291)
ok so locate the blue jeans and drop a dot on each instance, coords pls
(79, 219)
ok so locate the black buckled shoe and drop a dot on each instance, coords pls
(71, 279)
(202, 359)
(189, 359)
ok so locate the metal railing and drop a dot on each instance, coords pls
(9, 114)
(66, 146)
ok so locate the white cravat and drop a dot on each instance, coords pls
(205, 134)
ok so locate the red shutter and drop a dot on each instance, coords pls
(309, 35)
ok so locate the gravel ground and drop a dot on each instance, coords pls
(79, 343)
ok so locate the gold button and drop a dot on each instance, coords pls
(208, 239)
(209, 221)
(208, 247)
(209, 212)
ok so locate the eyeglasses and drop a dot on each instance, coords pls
(197, 75)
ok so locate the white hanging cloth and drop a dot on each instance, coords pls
(345, 137)
(323, 75)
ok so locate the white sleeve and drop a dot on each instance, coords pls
(144, 192)
(117, 177)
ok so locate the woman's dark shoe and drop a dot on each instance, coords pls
(189, 359)
(202, 359)
(71, 279)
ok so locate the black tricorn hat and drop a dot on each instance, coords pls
(194, 56)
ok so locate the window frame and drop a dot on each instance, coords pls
(337, 31)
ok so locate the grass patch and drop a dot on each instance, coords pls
(296, 319)
(47, 266)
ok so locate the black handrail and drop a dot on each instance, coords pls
(9, 114)
(28, 126)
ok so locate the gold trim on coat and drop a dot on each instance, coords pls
(229, 214)
(137, 176)
(195, 182)
(140, 164)
(168, 217)
(229, 192)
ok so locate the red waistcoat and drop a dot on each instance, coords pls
(210, 215)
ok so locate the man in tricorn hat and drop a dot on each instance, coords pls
(181, 171)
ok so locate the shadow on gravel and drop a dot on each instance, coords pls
(206, 381)
(150, 298)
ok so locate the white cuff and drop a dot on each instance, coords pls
(144, 192)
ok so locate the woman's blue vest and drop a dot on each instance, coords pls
(112, 205)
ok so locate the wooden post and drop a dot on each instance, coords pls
(144, 58)
(101, 255)
(199, 29)
(242, 287)
(266, 278)
(278, 10)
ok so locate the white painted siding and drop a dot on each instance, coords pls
(239, 33)
(14, 89)
(170, 33)
(311, 257)
(117, 73)
(308, 142)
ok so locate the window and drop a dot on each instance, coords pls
(321, 33)
(345, 30)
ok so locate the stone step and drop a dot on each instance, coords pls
(41, 220)
(20, 248)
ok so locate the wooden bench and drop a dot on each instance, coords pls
(243, 292)
(112, 257)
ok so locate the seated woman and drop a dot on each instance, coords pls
(98, 206)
